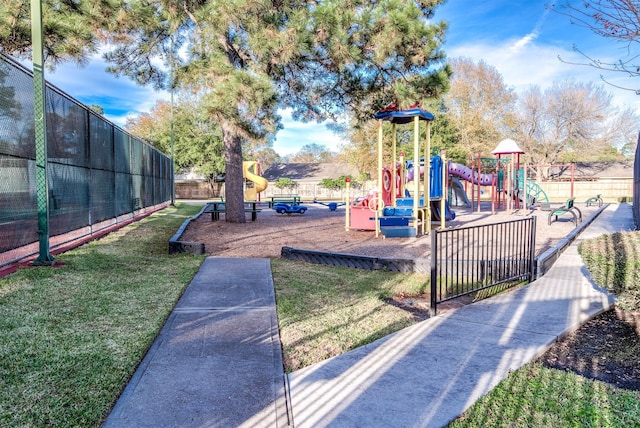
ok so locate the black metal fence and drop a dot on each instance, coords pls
(470, 259)
(98, 174)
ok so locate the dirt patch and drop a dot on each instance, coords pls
(605, 348)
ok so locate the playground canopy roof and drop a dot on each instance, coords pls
(403, 116)
(507, 147)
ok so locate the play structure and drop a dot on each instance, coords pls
(403, 204)
(504, 178)
(256, 183)
(410, 195)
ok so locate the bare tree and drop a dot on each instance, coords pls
(312, 153)
(614, 19)
(481, 106)
(571, 121)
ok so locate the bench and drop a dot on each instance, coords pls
(568, 208)
(595, 200)
(220, 207)
(285, 199)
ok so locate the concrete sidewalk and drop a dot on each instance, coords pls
(428, 374)
(218, 363)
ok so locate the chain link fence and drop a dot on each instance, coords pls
(98, 174)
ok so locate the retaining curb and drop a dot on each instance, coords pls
(542, 263)
(357, 261)
(178, 246)
(545, 260)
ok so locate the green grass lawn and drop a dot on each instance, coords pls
(71, 336)
(325, 311)
(535, 396)
(614, 262)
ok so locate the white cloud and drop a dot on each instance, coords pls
(297, 134)
(533, 35)
(539, 64)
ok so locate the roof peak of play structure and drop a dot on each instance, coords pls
(393, 114)
(507, 146)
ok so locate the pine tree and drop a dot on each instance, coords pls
(72, 30)
(248, 58)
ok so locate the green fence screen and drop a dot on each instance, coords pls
(98, 173)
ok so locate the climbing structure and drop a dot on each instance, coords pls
(400, 206)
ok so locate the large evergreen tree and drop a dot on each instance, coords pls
(72, 30)
(319, 58)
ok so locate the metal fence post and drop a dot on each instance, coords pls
(434, 274)
(532, 254)
(42, 185)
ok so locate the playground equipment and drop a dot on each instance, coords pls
(331, 205)
(508, 181)
(393, 209)
(282, 208)
(251, 171)
(457, 196)
(397, 208)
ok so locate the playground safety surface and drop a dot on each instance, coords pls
(323, 230)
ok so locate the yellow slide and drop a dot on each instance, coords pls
(259, 183)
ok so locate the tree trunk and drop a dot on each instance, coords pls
(234, 181)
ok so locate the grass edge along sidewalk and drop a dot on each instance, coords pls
(71, 336)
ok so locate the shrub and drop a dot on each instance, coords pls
(338, 183)
(285, 183)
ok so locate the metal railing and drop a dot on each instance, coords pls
(467, 260)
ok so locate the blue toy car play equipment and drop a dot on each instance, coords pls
(282, 208)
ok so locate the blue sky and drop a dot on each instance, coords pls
(522, 40)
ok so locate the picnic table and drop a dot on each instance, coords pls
(220, 207)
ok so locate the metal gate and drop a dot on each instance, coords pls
(469, 259)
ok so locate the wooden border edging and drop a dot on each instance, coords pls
(178, 246)
(542, 263)
(420, 265)
(356, 261)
